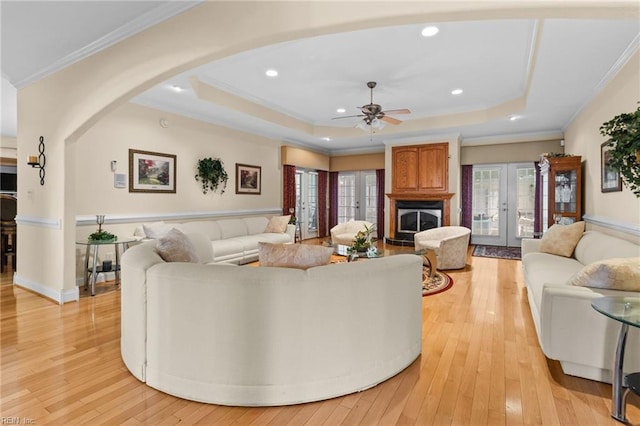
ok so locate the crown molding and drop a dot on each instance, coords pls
(513, 138)
(161, 13)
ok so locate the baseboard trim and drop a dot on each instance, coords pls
(59, 296)
(629, 228)
(86, 220)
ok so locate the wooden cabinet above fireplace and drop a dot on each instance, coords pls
(420, 168)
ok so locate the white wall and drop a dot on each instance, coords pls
(137, 127)
(613, 212)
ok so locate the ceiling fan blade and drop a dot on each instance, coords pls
(366, 109)
(348, 116)
(397, 111)
(390, 120)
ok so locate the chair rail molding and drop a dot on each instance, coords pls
(42, 222)
(630, 228)
(84, 220)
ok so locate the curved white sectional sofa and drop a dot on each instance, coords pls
(259, 336)
(569, 329)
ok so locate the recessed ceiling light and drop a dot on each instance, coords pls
(176, 88)
(429, 31)
(456, 92)
(341, 110)
(326, 139)
(271, 73)
(515, 117)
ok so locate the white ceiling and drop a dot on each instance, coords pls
(543, 70)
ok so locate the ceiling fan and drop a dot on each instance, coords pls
(372, 113)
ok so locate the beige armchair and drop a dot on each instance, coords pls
(344, 233)
(449, 242)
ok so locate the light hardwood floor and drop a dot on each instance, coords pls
(480, 365)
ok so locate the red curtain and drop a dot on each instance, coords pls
(467, 194)
(322, 203)
(333, 199)
(380, 203)
(288, 188)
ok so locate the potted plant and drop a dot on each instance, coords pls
(212, 174)
(623, 132)
(363, 240)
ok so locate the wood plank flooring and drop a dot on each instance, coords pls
(480, 365)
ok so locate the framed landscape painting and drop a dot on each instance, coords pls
(152, 172)
(610, 177)
(248, 179)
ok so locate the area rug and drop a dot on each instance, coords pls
(512, 253)
(439, 283)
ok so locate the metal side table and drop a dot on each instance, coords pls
(96, 269)
(626, 310)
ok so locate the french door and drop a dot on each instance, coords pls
(502, 203)
(357, 196)
(307, 203)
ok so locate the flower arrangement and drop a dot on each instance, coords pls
(363, 240)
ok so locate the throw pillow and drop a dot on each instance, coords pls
(156, 229)
(177, 247)
(562, 239)
(612, 274)
(301, 256)
(278, 224)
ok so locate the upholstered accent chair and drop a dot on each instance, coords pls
(449, 242)
(344, 233)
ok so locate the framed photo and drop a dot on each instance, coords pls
(610, 180)
(248, 179)
(152, 172)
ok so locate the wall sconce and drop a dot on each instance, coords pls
(39, 161)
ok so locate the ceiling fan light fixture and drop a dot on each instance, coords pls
(429, 31)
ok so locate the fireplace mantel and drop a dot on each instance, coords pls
(445, 197)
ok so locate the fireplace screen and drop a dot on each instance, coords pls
(416, 220)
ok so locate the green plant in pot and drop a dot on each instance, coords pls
(623, 132)
(211, 174)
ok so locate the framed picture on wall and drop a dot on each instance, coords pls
(610, 179)
(152, 172)
(248, 179)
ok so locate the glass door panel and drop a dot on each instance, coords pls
(488, 224)
(357, 196)
(307, 203)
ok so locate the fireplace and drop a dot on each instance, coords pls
(416, 216)
(410, 213)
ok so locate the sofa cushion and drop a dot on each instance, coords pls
(614, 274)
(177, 247)
(595, 246)
(230, 228)
(543, 268)
(156, 229)
(256, 225)
(277, 224)
(301, 256)
(562, 239)
(209, 228)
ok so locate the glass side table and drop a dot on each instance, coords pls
(626, 310)
(96, 269)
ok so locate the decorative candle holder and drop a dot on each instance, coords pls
(99, 221)
(39, 161)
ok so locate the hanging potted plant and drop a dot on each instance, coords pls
(624, 138)
(212, 174)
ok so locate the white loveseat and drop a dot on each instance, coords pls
(258, 336)
(232, 240)
(569, 329)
